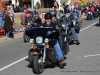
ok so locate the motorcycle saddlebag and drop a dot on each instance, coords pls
(51, 55)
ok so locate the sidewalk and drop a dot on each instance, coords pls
(16, 34)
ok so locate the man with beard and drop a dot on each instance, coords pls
(67, 19)
(49, 23)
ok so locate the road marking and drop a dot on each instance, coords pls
(88, 26)
(13, 63)
(27, 56)
(92, 55)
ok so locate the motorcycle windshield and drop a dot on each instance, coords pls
(45, 32)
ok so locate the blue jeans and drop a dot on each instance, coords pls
(58, 49)
(74, 34)
(78, 20)
(1, 22)
(8, 33)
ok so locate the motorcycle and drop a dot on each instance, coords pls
(31, 22)
(99, 12)
(76, 18)
(63, 39)
(96, 13)
(27, 27)
(77, 29)
(42, 53)
(89, 15)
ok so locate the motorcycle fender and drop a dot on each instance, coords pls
(31, 55)
(36, 51)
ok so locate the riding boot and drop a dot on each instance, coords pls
(72, 42)
(77, 42)
(62, 63)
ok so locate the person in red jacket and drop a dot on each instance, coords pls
(90, 8)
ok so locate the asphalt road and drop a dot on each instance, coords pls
(81, 60)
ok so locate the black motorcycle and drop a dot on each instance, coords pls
(31, 22)
(96, 13)
(63, 39)
(69, 33)
(27, 27)
(42, 53)
(89, 15)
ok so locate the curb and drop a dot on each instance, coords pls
(16, 36)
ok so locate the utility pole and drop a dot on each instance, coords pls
(32, 4)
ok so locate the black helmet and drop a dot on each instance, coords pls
(48, 16)
(53, 13)
(90, 4)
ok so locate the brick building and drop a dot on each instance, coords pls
(44, 3)
(73, 1)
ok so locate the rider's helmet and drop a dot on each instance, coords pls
(48, 16)
(90, 5)
(53, 13)
(67, 11)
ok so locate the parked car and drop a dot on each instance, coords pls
(2, 31)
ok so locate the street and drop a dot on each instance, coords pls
(83, 59)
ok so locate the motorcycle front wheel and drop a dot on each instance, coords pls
(25, 37)
(38, 66)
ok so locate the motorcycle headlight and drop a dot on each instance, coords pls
(28, 23)
(39, 40)
(46, 40)
(89, 12)
(31, 40)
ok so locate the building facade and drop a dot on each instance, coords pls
(43, 3)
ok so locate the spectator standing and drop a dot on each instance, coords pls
(56, 5)
(11, 13)
(36, 10)
(8, 26)
(71, 7)
(61, 9)
(12, 10)
(21, 9)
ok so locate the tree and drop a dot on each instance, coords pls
(84, 1)
(38, 4)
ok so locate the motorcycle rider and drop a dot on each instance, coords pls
(53, 14)
(55, 20)
(91, 8)
(96, 9)
(67, 18)
(76, 13)
(49, 23)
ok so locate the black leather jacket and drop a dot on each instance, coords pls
(67, 20)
